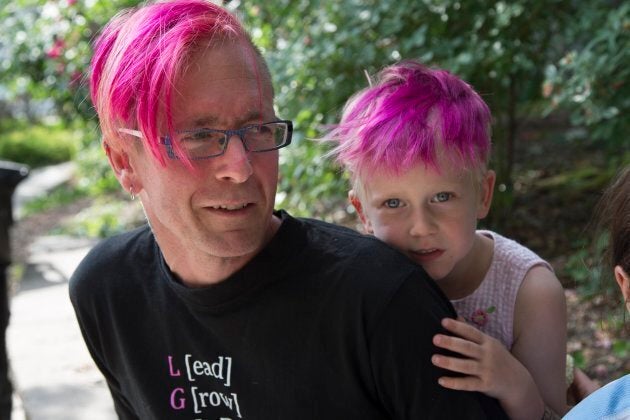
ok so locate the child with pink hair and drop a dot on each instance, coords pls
(416, 144)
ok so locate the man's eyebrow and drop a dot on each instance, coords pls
(204, 122)
(211, 121)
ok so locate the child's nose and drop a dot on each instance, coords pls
(422, 223)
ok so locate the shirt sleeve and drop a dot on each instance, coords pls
(400, 350)
(81, 299)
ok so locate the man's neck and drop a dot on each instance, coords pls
(217, 269)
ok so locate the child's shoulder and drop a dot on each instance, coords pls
(509, 251)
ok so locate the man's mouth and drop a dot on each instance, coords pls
(230, 206)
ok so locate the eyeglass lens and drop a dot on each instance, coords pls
(204, 143)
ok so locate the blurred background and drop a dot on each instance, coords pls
(555, 74)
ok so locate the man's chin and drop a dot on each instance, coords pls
(236, 244)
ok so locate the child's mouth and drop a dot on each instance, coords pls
(426, 255)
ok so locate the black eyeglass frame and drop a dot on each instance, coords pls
(240, 132)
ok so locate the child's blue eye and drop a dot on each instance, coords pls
(441, 197)
(392, 203)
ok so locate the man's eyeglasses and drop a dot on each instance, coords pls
(204, 143)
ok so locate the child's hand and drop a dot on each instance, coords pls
(487, 363)
(581, 387)
(489, 368)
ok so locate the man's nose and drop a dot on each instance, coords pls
(234, 164)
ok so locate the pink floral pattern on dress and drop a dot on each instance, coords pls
(480, 316)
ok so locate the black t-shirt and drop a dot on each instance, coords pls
(324, 323)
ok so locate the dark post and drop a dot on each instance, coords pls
(10, 176)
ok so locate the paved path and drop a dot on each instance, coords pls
(39, 182)
(53, 374)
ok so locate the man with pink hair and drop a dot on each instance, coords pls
(221, 307)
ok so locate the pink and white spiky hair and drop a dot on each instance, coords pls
(412, 114)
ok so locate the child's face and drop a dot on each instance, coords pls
(430, 216)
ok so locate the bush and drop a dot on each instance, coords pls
(107, 216)
(94, 174)
(38, 145)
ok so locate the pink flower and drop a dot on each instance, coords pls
(53, 53)
(56, 50)
(480, 316)
(71, 2)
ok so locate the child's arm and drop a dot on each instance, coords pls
(540, 334)
(490, 368)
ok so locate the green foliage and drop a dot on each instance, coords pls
(108, 217)
(305, 188)
(63, 195)
(591, 78)
(621, 348)
(308, 185)
(578, 359)
(524, 56)
(579, 269)
(588, 266)
(38, 145)
(319, 50)
(45, 50)
(589, 270)
(95, 176)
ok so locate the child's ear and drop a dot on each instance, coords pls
(623, 280)
(487, 191)
(356, 203)
(123, 170)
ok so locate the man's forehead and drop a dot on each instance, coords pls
(211, 121)
(218, 55)
(221, 86)
(220, 70)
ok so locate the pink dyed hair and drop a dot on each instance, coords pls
(140, 54)
(412, 114)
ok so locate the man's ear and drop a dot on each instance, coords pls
(117, 159)
(623, 280)
(356, 203)
(487, 191)
(123, 170)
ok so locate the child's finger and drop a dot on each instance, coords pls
(456, 364)
(457, 345)
(462, 329)
(465, 383)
